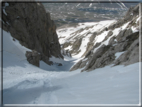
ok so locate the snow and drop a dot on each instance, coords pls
(68, 48)
(4, 12)
(83, 32)
(69, 34)
(107, 41)
(131, 14)
(134, 29)
(123, 5)
(120, 5)
(66, 33)
(98, 85)
(116, 31)
(138, 19)
(24, 83)
(118, 54)
(78, 5)
(101, 37)
(100, 25)
(9, 46)
(83, 46)
(85, 59)
(125, 25)
(6, 4)
(109, 85)
(90, 5)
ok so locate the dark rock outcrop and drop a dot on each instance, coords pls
(66, 53)
(33, 58)
(76, 45)
(32, 27)
(126, 41)
(132, 54)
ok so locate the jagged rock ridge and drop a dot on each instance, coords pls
(32, 27)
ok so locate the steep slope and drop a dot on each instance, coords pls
(32, 27)
(24, 83)
(106, 42)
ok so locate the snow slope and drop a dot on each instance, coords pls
(24, 83)
(117, 85)
(89, 37)
(86, 30)
(20, 78)
(69, 32)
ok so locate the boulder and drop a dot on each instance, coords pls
(33, 57)
(59, 64)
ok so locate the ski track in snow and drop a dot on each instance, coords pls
(25, 83)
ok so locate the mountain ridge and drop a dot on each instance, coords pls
(106, 42)
(72, 13)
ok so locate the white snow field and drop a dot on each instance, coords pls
(24, 83)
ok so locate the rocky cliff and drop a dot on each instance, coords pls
(32, 27)
(116, 43)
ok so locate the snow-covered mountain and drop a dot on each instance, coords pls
(24, 83)
(105, 42)
(114, 42)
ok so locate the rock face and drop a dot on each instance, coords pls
(32, 27)
(33, 57)
(66, 53)
(122, 37)
(132, 54)
(77, 43)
